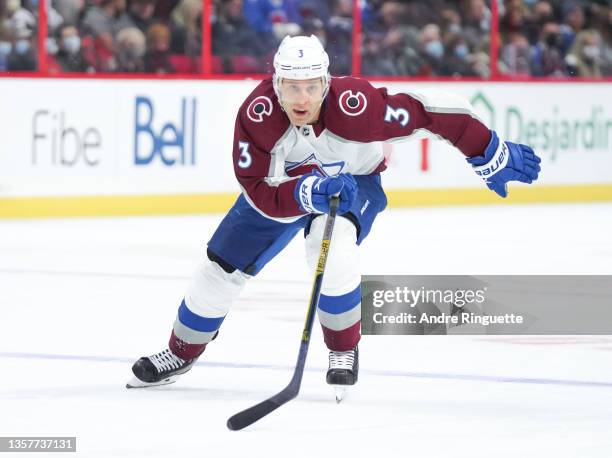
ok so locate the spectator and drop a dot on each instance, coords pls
(270, 19)
(23, 55)
(138, 14)
(70, 10)
(233, 36)
(457, 59)
(431, 49)
(185, 26)
(98, 40)
(131, 48)
(604, 19)
(574, 21)
(6, 46)
(541, 14)
(584, 58)
(547, 59)
(163, 10)
(157, 58)
(21, 16)
(340, 37)
(70, 56)
(450, 21)
(515, 55)
(476, 23)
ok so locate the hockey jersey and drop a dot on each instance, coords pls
(270, 154)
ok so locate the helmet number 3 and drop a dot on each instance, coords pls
(245, 160)
(301, 53)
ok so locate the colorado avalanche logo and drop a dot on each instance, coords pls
(352, 104)
(259, 107)
(312, 162)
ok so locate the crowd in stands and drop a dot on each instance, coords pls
(429, 38)
(399, 37)
(246, 33)
(556, 38)
(92, 36)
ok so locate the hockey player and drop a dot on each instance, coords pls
(301, 137)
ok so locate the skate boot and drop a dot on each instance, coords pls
(343, 370)
(160, 369)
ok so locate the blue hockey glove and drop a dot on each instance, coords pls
(505, 161)
(313, 192)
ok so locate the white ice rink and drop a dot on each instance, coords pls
(81, 299)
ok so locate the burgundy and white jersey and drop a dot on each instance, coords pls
(270, 154)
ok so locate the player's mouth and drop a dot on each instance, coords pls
(300, 113)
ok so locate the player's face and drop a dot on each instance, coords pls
(302, 99)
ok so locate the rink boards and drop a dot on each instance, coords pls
(73, 147)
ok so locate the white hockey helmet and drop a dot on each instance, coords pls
(301, 58)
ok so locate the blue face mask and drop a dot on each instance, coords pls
(461, 51)
(72, 44)
(34, 3)
(51, 46)
(435, 49)
(22, 47)
(5, 48)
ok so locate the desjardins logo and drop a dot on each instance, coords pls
(559, 130)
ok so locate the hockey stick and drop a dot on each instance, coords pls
(252, 414)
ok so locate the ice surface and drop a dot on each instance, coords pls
(81, 299)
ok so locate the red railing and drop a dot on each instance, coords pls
(206, 69)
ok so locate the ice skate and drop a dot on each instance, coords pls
(343, 371)
(162, 368)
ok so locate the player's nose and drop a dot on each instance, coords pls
(303, 97)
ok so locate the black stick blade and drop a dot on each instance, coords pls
(252, 414)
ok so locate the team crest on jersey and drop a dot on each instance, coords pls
(258, 108)
(352, 104)
(327, 169)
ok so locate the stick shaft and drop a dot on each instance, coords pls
(252, 414)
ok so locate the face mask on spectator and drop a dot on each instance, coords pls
(435, 49)
(5, 48)
(591, 51)
(72, 44)
(51, 46)
(461, 51)
(22, 47)
(553, 40)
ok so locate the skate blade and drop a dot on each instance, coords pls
(340, 391)
(137, 383)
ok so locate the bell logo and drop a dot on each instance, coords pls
(174, 142)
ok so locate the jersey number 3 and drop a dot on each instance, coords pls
(245, 159)
(401, 115)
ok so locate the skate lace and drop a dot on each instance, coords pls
(166, 361)
(341, 359)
